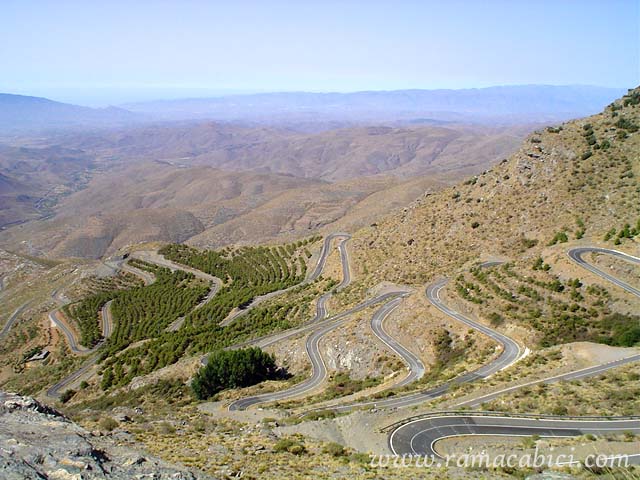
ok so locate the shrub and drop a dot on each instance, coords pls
(232, 369)
(559, 410)
(475, 225)
(320, 414)
(496, 319)
(289, 445)
(334, 449)
(627, 125)
(108, 424)
(67, 395)
(166, 428)
(560, 237)
(624, 330)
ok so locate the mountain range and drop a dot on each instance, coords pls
(305, 110)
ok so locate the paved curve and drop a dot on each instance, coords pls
(318, 330)
(74, 346)
(414, 364)
(321, 303)
(576, 255)
(420, 436)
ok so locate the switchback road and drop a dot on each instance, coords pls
(419, 436)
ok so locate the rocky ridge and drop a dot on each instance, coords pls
(39, 442)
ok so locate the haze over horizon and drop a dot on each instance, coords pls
(161, 50)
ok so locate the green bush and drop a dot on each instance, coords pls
(67, 395)
(334, 449)
(624, 330)
(496, 319)
(108, 424)
(289, 445)
(560, 237)
(586, 154)
(627, 125)
(233, 369)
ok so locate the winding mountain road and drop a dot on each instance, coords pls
(511, 352)
(318, 367)
(56, 320)
(419, 436)
(413, 362)
(107, 328)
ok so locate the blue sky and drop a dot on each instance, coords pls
(106, 52)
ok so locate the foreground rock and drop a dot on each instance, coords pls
(38, 442)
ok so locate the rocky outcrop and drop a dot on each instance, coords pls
(37, 441)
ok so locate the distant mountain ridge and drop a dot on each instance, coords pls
(300, 110)
(504, 103)
(20, 112)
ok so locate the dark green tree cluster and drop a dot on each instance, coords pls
(620, 330)
(86, 315)
(249, 272)
(560, 237)
(232, 369)
(589, 135)
(171, 346)
(627, 231)
(145, 312)
(626, 124)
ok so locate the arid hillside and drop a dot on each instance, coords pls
(331, 155)
(578, 179)
(214, 185)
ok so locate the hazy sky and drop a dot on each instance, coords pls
(112, 51)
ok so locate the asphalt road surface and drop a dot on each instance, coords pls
(419, 437)
(414, 364)
(55, 318)
(107, 328)
(576, 255)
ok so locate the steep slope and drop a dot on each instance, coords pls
(584, 172)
